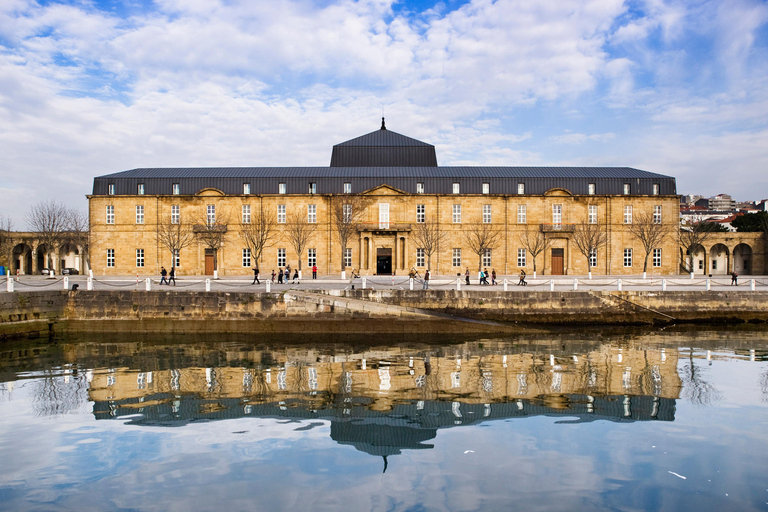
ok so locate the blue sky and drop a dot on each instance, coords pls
(89, 88)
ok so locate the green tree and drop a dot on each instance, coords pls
(751, 222)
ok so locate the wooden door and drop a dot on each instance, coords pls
(558, 260)
(209, 264)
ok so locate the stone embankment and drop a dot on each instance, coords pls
(366, 310)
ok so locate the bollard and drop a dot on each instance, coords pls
(137, 281)
(590, 274)
(551, 285)
(644, 275)
(216, 274)
(458, 284)
(300, 275)
(364, 283)
(9, 284)
(343, 275)
(618, 283)
(534, 274)
(575, 284)
(89, 285)
(269, 285)
(148, 284)
(411, 283)
(752, 285)
(691, 275)
(505, 284)
(90, 273)
(709, 285)
(663, 285)
(207, 285)
(393, 279)
(66, 282)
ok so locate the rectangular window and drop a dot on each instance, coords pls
(281, 188)
(657, 257)
(111, 189)
(593, 257)
(281, 257)
(176, 257)
(384, 215)
(628, 214)
(281, 214)
(627, 257)
(210, 214)
(246, 214)
(139, 258)
(139, 214)
(348, 257)
(456, 188)
(312, 213)
(521, 188)
(419, 188)
(486, 214)
(592, 216)
(140, 189)
(175, 190)
(246, 257)
(655, 189)
(311, 257)
(557, 215)
(626, 189)
(175, 214)
(110, 258)
(421, 214)
(486, 257)
(346, 213)
(591, 189)
(246, 188)
(522, 215)
(521, 256)
(110, 214)
(486, 188)
(657, 214)
(347, 188)
(456, 261)
(714, 264)
(420, 257)
(457, 214)
(312, 187)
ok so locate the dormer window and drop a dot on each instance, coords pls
(312, 187)
(456, 188)
(246, 188)
(420, 187)
(111, 189)
(140, 189)
(486, 188)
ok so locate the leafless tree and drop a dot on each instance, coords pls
(589, 238)
(6, 239)
(259, 232)
(347, 211)
(78, 234)
(299, 231)
(49, 220)
(649, 233)
(212, 231)
(692, 236)
(481, 237)
(695, 388)
(534, 242)
(174, 236)
(428, 236)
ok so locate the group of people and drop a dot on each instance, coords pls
(282, 276)
(167, 278)
(483, 276)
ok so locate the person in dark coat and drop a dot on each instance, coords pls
(163, 273)
(256, 275)
(279, 276)
(172, 276)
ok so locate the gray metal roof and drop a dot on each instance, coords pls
(383, 148)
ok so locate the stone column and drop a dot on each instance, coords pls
(396, 263)
(360, 254)
(370, 253)
(406, 266)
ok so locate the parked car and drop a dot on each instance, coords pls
(69, 271)
(45, 271)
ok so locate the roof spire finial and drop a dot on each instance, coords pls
(382, 124)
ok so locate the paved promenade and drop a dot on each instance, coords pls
(540, 283)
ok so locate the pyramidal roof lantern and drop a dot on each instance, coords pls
(383, 148)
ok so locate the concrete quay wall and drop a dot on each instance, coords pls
(365, 310)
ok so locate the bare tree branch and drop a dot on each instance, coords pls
(481, 237)
(6, 239)
(650, 234)
(299, 231)
(49, 220)
(212, 232)
(259, 233)
(534, 242)
(589, 238)
(78, 233)
(428, 236)
(692, 236)
(174, 236)
(347, 211)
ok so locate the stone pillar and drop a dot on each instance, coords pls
(368, 263)
(406, 265)
(361, 254)
(396, 263)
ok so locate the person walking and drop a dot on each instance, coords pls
(314, 271)
(296, 276)
(273, 276)
(734, 278)
(279, 275)
(493, 277)
(287, 273)
(425, 284)
(163, 273)
(522, 278)
(485, 276)
(172, 276)
(256, 275)
(466, 276)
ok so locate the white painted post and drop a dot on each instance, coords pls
(505, 284)
(9, 283)
(216, 274)
(89, 286)
(590, 274)
(343, 274)
(148, 284)
(644, 275)
(90, 273)
(691, 275)
(534, 274)
(618, 283)
(66, 282)
(663, 285)
(300, 271)
(709, 284)
(207, 284)
(364, 283)
(551, 285)
(393, 279)
(575, 284)
(410, 283)
(269, 285)
(458, 284)
(752, 285)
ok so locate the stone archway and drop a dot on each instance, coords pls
(719, 257)
(698, 258)
(21, 260)
(742, 259)
(69, 257)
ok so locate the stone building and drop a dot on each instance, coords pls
(399, 209)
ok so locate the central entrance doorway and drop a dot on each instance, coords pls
(210, 261)
(558, 260)
(384, 261)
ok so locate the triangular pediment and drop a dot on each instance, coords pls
(384, 190)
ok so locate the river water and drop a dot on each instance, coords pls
(591, 420)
